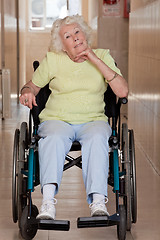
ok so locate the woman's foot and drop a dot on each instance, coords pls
(98, 208)
(47, 210)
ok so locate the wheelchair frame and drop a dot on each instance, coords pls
(122, 174)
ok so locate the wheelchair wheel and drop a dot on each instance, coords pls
(126, 167)
(28, 230)
(133, 177)
(121, 228)
(14, 175)
(23, 144)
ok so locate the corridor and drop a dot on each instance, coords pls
(130, 29)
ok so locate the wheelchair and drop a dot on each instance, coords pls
(122, 173)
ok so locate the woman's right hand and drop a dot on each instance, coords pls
(28, 93)
(27, 98)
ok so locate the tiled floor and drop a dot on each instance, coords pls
(71, 198)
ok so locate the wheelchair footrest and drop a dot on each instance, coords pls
(61, 225)
(98, 221)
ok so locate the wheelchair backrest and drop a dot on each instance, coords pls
(112, 107)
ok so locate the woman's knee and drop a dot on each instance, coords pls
(57, 129)
(97, 130)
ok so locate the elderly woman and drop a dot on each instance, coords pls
(77, 77)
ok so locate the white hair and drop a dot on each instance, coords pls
(56, 44)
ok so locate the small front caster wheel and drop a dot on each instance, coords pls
(121, 227)
(28, 229)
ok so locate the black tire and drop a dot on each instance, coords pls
(27, 230)
(14, 175)
(133, 177)
(23, 144)
(126, 167)
(121, 228)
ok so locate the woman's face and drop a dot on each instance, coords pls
(73, 39)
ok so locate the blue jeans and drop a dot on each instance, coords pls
(55, 143)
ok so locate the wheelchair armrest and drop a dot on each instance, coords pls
(112, 106)
(41, 100)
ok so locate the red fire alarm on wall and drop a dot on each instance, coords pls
(110, 2)
(111, 8)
